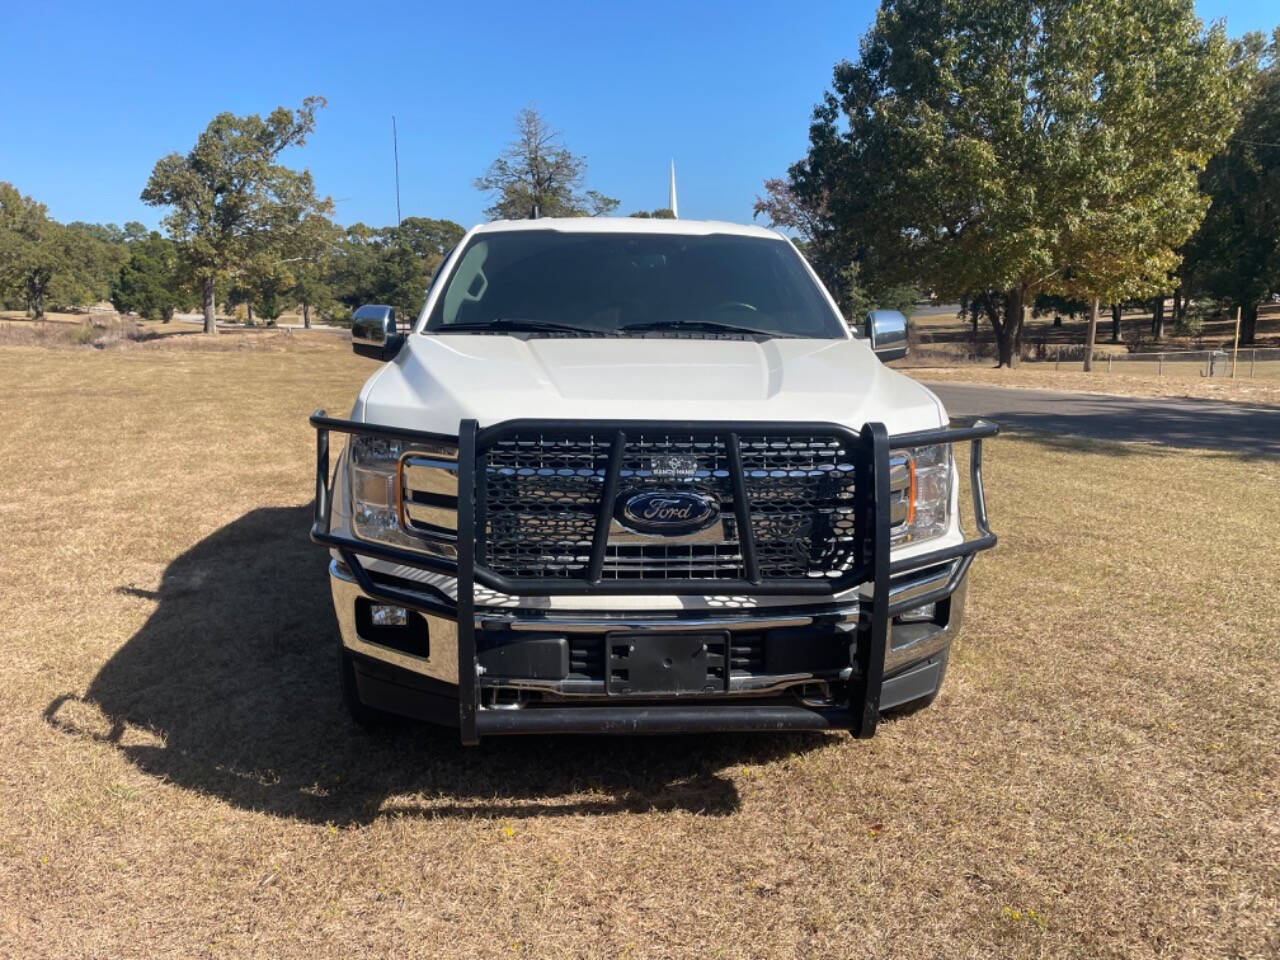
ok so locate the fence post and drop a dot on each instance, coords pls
(1208, 363)
(1057, 357)
(1161, 373)
(1235, 351)
(1253, 359)
(1108, 363)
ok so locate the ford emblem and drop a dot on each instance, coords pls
(669, 513)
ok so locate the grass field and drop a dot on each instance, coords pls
(1099, 778)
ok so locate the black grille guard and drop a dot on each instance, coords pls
(870, 449)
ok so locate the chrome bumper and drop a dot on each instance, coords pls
(909, 589)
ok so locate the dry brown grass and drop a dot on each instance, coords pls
(1098, 778)
(1044, 377)
(53, 316)
(114, 331)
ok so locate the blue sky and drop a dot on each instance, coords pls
(94, 93)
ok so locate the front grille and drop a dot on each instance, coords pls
(538, 503)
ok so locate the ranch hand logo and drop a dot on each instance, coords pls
(673, 466)
(667, 512)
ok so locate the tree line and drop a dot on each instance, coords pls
(1004, 153)
(43, 262)
(311, 264)
(1001, 153)
(241, 228)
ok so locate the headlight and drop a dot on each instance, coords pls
(920, 485)
(405, 494)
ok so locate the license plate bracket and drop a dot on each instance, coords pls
(666, 664)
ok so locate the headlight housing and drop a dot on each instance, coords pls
(404, 494)
(920, 485)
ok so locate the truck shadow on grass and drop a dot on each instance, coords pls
(231, 689)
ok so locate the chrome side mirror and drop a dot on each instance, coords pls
(887, 332)
(373, 332)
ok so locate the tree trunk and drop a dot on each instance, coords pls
(1115, 323)
(1009, 332)
(1248, 322)
(306, 316)
(1178, 305)
(1091, 335)
(1057, 319)
(37, 282)
(210, 322)
(1157, 318)
(249, 307)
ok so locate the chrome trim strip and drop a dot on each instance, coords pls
(895, 657)
(917, 583)
(427, 513)
(595, 623)
(912, 585)
(751, 686)
(443, 634)
(426, 475)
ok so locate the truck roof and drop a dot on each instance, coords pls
(629, 225)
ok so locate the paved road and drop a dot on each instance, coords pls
(1238, 427)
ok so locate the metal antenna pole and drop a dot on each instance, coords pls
(395, 151)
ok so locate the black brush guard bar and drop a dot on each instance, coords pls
(870, 451)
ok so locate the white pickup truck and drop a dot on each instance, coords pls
(637, 476)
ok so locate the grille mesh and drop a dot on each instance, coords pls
(540, 496)
(801, 492)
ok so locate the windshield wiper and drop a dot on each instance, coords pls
(701, 326)
(505, 324)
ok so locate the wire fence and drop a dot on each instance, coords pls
(1247, 362)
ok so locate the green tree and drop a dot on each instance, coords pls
(230, 201)
(268, 282)
(997, 149)
(33, 250)
(1137, 196)
(135, 232)
(662, 213)
(106, 232)
(429, 239)
(375, 266)
(537, 175)
(150, 283)
(857, 297)
(313, 247)
(95, 253)
(1235, 255)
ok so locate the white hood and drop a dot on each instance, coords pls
(436, 381)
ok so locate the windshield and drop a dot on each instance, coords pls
(565, 284)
